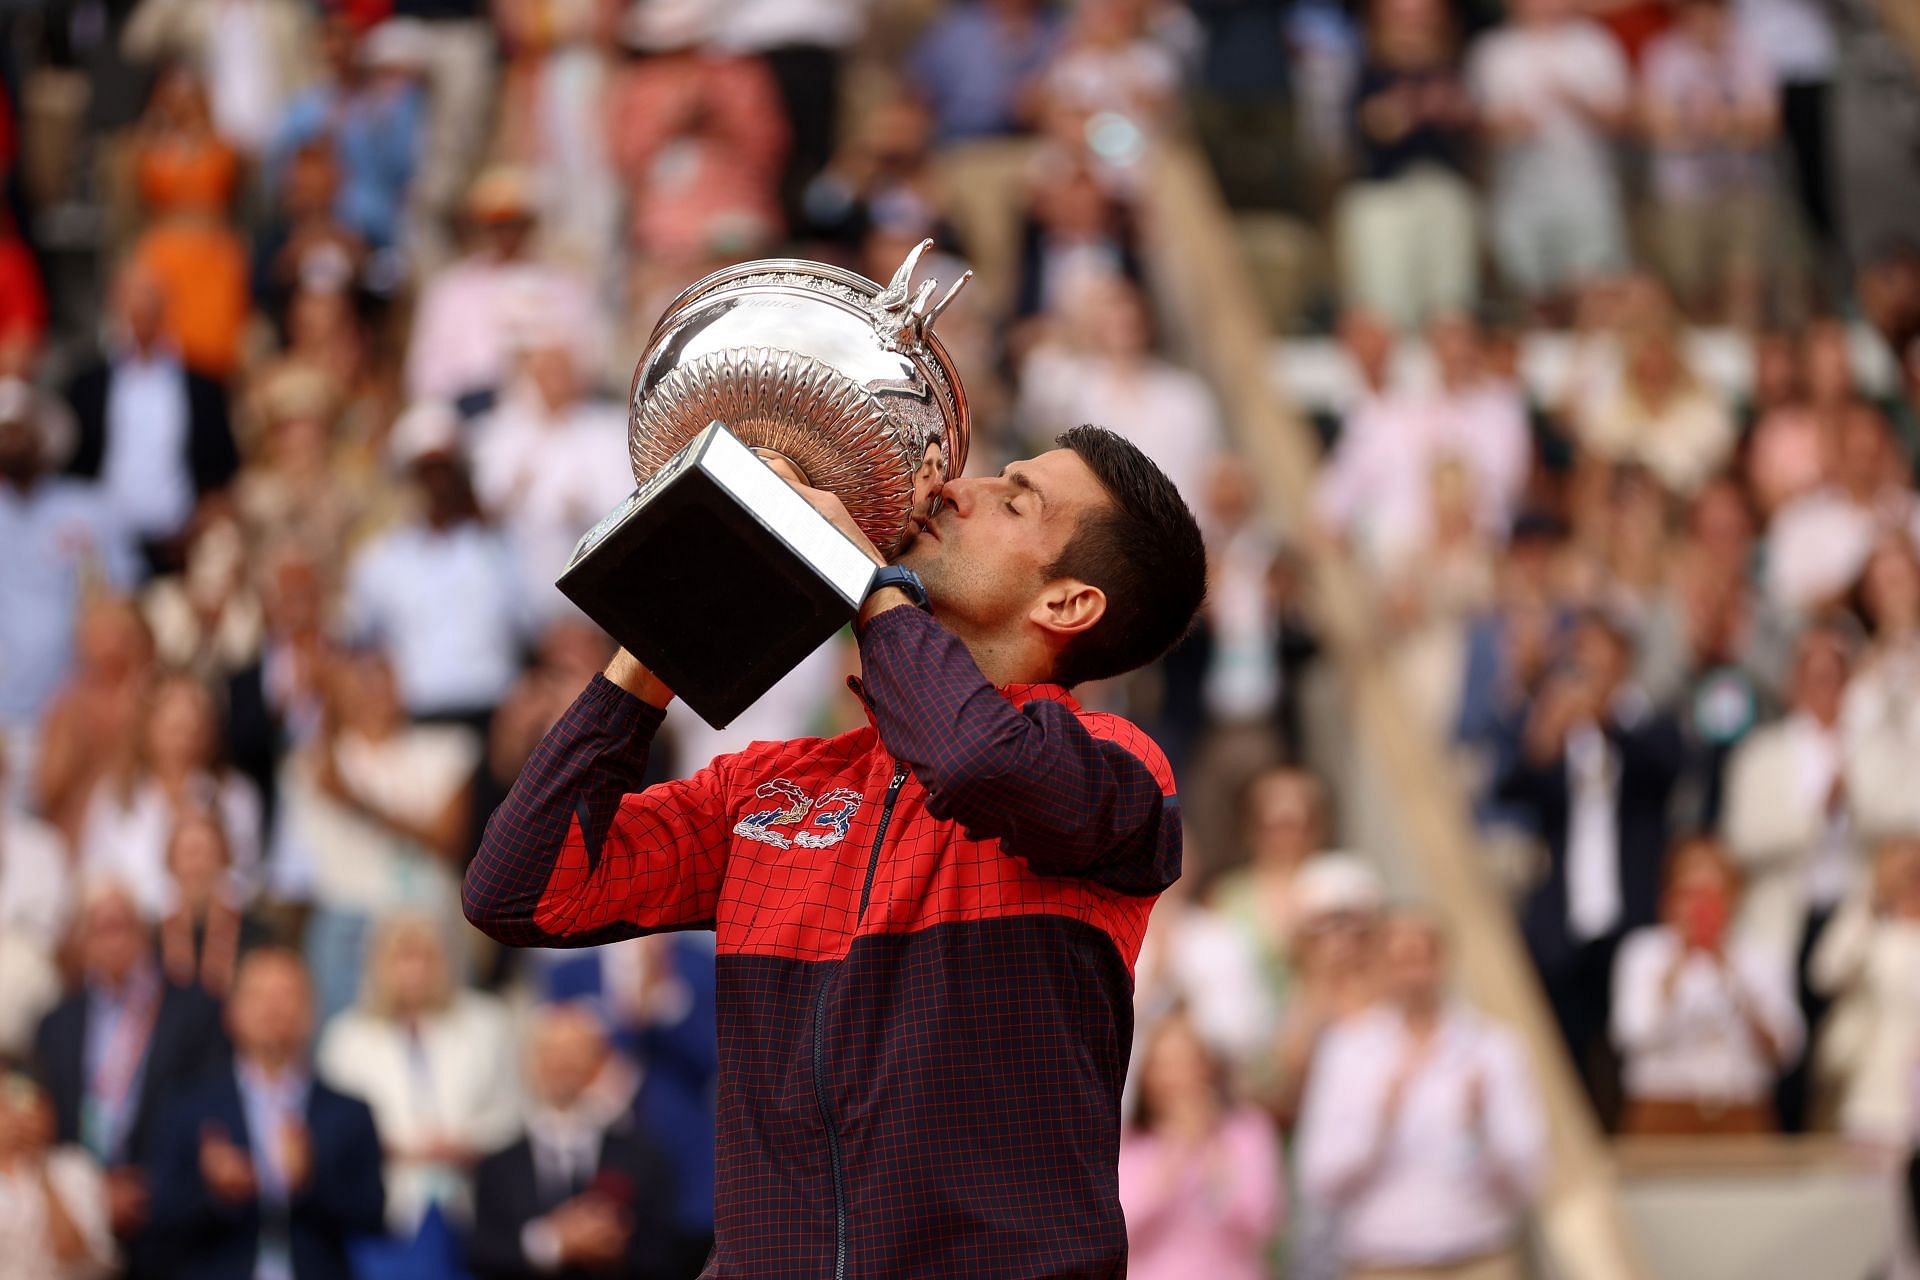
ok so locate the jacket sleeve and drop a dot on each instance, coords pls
(1071, 797)
(578, 854)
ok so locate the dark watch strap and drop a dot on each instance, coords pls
(893, 575)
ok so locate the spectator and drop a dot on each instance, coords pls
(175, 771)
(455, 45)
(1660, 416)
(276, 704)
(978, 64)
(1704, 1020)
(1199, 1176)
(1874, 129)
(1077, 237)
(53, 1198)
(434, 1063)
(152, 432)
(458, 351)
(262, 1169)
(439, 591)
(302, 241)
(1797, 40)
(251, 54)
(699, 137)
(1406, 224)
(93, 722)
(204, 936)
(806, 45)
(549, 461)
(1593, 768)
(1336, 925)
(657, 996)
(1881, 714)
(1868, 963)
(1820, 542)
(116, 1052)
(1787, 816)
(1552, 88)
(1241, 108)
(299, 490)
(1197, 963)
(1423, 1129)
(1107, 63)
(370, 109)
(1284, 816)
(1377, 489)
(61, 536)
(376, 815)
(187, 179)
(1118, 382)
(882, 176)
(582, 1193)
(206, 620)
(1711, 113)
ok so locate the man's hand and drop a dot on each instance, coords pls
(225, 1168)
(827, 504)
(632, 675)
(126, 1200)
(296, 1153)
(591, 1231)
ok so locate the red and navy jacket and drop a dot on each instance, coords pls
(926, 932)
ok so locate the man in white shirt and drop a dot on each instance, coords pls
(548, 461)
(1819, 542)
(1786, 816)
(1422, 1129)
(1552, 88)
(1377, 489)
(1705, 1021)
(439, 593)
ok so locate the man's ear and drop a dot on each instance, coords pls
(1068, 607)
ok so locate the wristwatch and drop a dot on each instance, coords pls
(902, 578)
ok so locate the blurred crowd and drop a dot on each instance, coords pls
(315, 322)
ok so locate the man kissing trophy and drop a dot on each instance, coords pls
(715, 573)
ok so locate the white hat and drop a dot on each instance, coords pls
(1335, 882)
(427, 427)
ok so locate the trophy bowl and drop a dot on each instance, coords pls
(715, 573)
(823, 367)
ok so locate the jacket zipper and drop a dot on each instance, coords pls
(820, 1036)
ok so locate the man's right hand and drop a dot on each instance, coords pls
(632, 675)
(226, 1168)
(591, 1231)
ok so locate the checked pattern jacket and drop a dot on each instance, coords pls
(926, 931)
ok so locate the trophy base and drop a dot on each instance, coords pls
(717, 576)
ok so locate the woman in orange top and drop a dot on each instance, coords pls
(187, 177)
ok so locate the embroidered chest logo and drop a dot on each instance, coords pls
(822, 822)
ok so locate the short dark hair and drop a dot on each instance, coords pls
(1143, 549)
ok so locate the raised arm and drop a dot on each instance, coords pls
(1068, 796)
(578, 854)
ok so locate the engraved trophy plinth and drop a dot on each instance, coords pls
(715, 573)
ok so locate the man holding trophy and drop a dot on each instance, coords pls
(927, 926)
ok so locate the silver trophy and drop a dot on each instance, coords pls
(715, 573)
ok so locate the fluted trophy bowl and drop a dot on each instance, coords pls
(715, 573)
(837, 374)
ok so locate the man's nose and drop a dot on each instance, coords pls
(957, 494)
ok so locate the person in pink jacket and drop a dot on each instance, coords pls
(1199, 1175)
